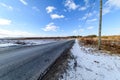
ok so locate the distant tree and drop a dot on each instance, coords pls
(78, 36)
(91, 36)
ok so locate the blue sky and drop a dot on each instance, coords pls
(20, 18)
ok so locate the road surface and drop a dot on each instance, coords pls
(30, 63)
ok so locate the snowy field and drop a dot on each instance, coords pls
(8, 43)
(92, 65)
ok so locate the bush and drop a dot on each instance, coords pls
(91, 36)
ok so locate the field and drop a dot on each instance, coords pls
(24, 42)
(109, 43)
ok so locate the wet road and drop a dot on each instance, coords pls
(28, 63)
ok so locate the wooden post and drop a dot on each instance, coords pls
(100, 26)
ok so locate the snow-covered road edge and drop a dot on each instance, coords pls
(93, 66)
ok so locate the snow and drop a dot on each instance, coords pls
(92, 66)
(8, 43)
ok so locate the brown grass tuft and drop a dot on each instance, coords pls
(109, 43)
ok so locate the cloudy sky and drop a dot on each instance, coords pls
(20, 18)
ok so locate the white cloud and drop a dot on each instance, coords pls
(35, 8)
(86, 16)
(71, 5)
(113, 3)
(92, 20)
(50, 27)
(50, 9)
(24, 2)
(56, 16)
(4, 22)
(90, 27)
(78, 31)
(6, 6)
(86, 2)
(110, 5)
(106, 10)
(75, 31)
(15, 33)
(83, 8)
(89, 15)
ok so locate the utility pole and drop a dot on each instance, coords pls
(100, 26)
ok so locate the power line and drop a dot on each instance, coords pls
(89, 11)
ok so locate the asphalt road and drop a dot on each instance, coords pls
(29, 63)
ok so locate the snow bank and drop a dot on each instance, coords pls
(92, 66)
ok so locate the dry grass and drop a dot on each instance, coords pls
(109, 43)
